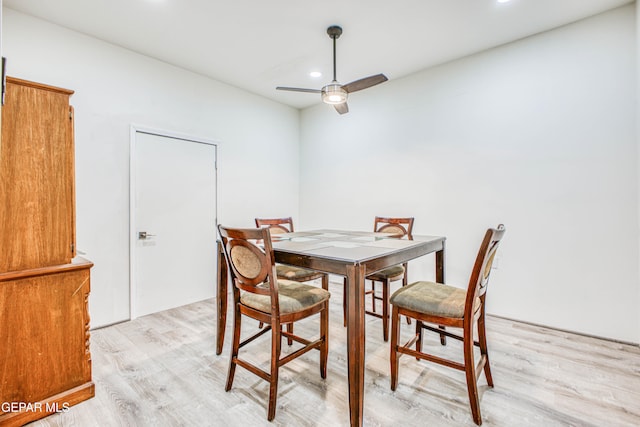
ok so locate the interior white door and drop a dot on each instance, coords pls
(174, 222)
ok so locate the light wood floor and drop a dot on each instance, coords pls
(161, 370)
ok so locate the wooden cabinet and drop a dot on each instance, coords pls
(45, 360)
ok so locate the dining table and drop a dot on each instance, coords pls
(351, 254)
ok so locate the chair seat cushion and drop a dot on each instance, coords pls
(432, 298)
(388, 273)
(293, 296)
(298, 274)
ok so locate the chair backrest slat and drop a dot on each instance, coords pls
(276, 225)
(479, 279)
(400, 226)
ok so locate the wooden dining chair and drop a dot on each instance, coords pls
(290, 272)
(401, 228)
(435, 305)
(258, 294)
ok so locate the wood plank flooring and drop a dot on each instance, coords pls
(161, 370)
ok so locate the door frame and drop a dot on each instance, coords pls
(135, 129)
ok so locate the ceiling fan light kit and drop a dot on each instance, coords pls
(334, 93)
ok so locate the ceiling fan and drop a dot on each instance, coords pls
(334, 93)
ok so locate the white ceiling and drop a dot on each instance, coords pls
(260, 44)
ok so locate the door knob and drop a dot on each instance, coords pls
(142, 235)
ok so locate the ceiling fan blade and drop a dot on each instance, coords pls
(342, 108)
(298, 89)
(365, 83)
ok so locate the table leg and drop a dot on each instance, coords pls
(440, 278)
(355, 341)
(221, 298)
(440, 265)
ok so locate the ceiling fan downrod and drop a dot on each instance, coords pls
(334, 32)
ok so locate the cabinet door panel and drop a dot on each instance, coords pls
(36, 177)
(46, 321)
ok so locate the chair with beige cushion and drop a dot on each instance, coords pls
(258, 294)
(436, 305)
(290, 272)
(401, 228)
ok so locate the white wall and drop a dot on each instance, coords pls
(538, 134)
(115, 88)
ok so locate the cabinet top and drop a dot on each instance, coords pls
(77, 263)
(35, 85)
